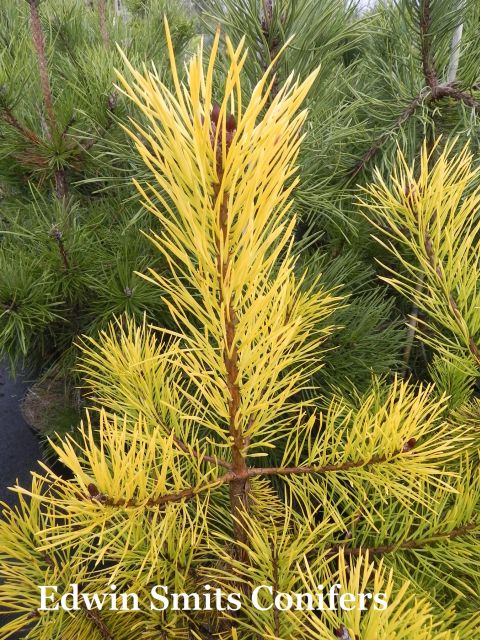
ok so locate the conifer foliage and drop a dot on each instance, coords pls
(211, 463)
(69, 239)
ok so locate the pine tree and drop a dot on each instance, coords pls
(69, 231)
(212, 463)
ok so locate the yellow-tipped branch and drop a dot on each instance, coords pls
(435, 218)
(450, 300)
(94, 495)
(225, 171)
(471, 528)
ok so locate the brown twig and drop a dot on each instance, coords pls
(61, 187)
(380, 141)
(408, 544)
(58, 237)
(39, 43)
(312, 469)
(241, 477)
(430, 91)
(202, 456)
(102, 15)
(60, 177)
(428, 63)
(95, 617)
(239, 487)
(11, 119)
(450, 90)
(273, 44)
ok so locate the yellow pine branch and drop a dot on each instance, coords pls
(228, 170)
(470, 528)
(435, 217)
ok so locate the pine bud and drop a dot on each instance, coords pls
(33, 614)
(92, 489)
(342, 633)
(408, 446)
(57, 234)
(112, 101)
(215, 114)
(231, 123)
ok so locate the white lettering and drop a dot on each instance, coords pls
(159, 598)
(44, 597)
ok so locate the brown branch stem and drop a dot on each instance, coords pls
(242, 476)
(39, 44)
(238, 485)
(205, 458)
(238, 477)
(449, 90)
(60, 178)
(273, 45)
(11, 119)
(438, 92)
(428, 63)
(102, 16)
(58, 237)
(409, 544)
(61, 187)
(380, 141)
(95, 617)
